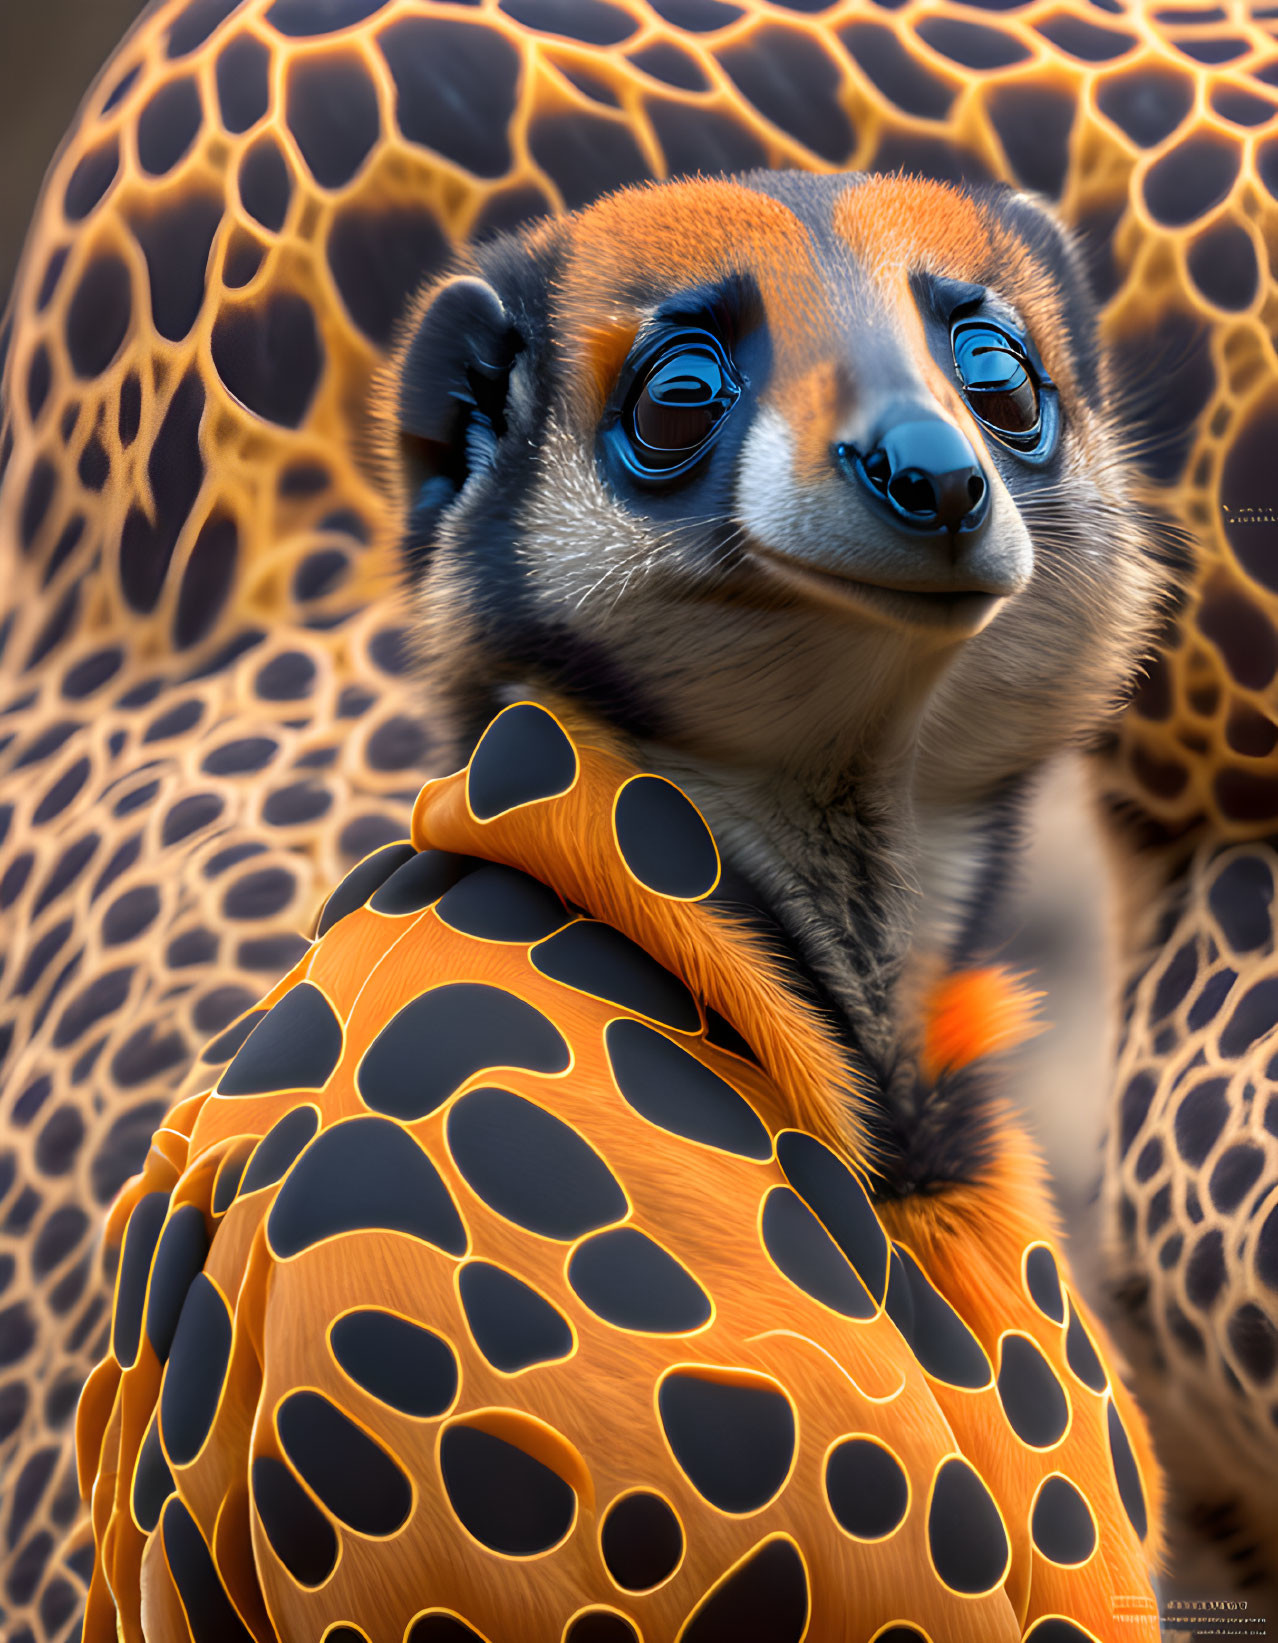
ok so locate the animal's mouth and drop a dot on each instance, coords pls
(956, 606)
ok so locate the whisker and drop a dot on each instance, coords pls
(675, 535)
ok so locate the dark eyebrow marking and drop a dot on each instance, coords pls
(731, 307)
(948, 298)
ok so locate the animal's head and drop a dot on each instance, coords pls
(777, 469)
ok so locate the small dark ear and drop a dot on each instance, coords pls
(453, 384)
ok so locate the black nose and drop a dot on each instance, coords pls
(925, 474)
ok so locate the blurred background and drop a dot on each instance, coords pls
(50, 50)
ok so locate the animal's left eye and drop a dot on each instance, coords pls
(1000, 382)
(684, 392)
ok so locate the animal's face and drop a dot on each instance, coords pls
(746, 465)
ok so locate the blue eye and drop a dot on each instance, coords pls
(1000, 382)
(684, 391)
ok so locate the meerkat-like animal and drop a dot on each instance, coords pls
(673, 1271)
(815, 494)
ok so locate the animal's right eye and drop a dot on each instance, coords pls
(684, 392)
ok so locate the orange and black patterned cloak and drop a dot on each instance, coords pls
(519, 1281)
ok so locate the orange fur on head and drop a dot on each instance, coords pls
(898, 222)
(889, 221)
